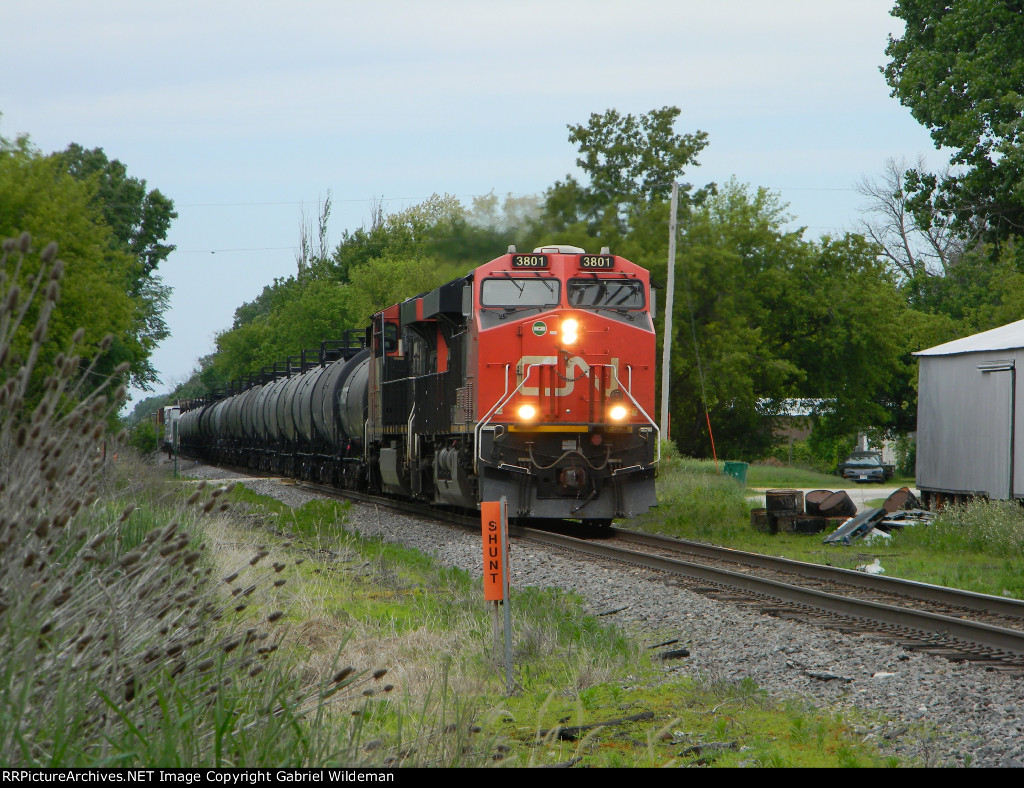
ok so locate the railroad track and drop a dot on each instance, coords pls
(960, 625)
(984, 630)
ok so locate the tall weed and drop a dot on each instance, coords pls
(979, 526)
(118, 646)
(694, 500)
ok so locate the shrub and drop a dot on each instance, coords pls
(143, 437)
(700, 501)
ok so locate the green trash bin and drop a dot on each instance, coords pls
(737, 470)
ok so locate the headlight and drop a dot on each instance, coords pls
(570, 329)
(526, 412)
(618, 413)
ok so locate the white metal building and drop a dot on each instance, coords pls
(967, 417)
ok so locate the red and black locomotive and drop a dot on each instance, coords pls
(531, 378)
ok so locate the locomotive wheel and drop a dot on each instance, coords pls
(599, 524)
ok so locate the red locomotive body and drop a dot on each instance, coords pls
(531, 378)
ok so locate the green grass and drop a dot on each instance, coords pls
(695, 502)
(426, 686)
(695, 723)
(770, 476)
(978, 548)
(572, 668)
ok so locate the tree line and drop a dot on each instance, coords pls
(763, 315)
(110, 232)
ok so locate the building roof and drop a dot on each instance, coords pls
(807, 406)
(1008, 337)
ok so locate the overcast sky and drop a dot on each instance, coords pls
(246, 113)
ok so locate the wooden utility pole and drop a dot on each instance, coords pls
(666, 350)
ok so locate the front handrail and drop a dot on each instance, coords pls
(639, 407)
(505, 397)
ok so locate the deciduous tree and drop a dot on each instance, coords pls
(100, 275)
(139, 220)
(959, 68)
(630, 161)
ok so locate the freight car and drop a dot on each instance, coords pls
(531, 378)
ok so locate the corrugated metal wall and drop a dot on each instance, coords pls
(964, 425)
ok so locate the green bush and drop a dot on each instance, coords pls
(906, 455)
(143, 437)
(819, 452)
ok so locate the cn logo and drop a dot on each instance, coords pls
(576, 369)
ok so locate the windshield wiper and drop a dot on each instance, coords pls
(515, 282)
(619, 289)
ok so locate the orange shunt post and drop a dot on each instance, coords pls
(490, 520)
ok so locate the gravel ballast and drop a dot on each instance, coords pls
(931, 710)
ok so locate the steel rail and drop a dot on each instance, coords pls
(866, 610)
(1013, 608)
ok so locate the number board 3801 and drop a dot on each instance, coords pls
(529, 261)
(593, 261)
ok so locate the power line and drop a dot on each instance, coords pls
(810, 189)
(399, 199)
(457, 196)
(225, 251)
(333, 200)
(379, 244)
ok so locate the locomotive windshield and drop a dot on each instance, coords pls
(515, 292)
(606, 293)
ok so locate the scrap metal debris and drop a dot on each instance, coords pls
(900, 509)
(877, 535)
(903, 498)
(790, 511)
(909, 517)
(856, 527)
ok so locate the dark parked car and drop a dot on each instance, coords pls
(865, 466)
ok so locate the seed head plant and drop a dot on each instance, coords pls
(117, 651)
